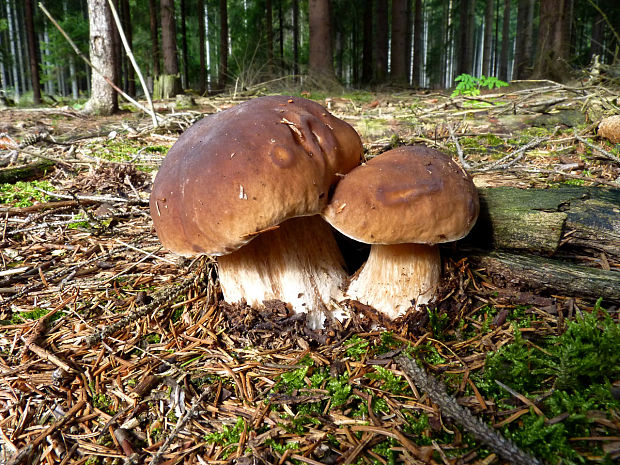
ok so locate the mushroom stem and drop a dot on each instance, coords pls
(298, 263)
(397, 277)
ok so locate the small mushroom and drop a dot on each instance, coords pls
(609, 128)
(403, 202)
(244, 184)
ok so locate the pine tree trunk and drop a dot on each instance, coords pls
(466, 36)
(13, 49)
(33, 53)
(367, 43)
(184, 46)
(381, 41)
(269, 35)
(488, 37)
(154, 37)
(103, 99)
(75, 91)
(202, 83)
(503, 57)
(398, 70)
(281, 32)
(522, 59)
(418, 58)
(320, 59)
(21, 58)
(553, 40)
(127, 28)
(295, 5)
(598, 35)
(223, 70)
(170, 82)
(409, 41)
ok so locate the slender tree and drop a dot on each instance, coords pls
(417, 43)
(553, 40)
(128, 30)
(103, 99)
(381, 40)
(184, 45)
(320, 59)
(269, 35)
(170, 82)
(223, 71)
(295, 5)
(202, 82)
(522, 63)
(153, 22)
(466, 36)
(367, 42)
(398, 70)
(488, 37)
(13, 44)
(33, 53)
(503, 56)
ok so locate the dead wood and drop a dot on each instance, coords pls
(26, 172)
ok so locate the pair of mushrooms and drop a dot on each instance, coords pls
(249, 184)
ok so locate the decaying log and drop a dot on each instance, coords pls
(25, 172)
(557, 222)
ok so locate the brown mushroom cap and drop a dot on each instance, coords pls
(609, 128)
(246, 169)
(409, 194)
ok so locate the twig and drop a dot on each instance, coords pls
(519, 169)
(180, 424)
(145, 89)
(598, 149)
(459, 149)
(448, 404)
(517, 154)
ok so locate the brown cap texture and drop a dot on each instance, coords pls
(411, 194)
(246, 169)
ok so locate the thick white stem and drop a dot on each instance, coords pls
(298, 263)
(397, 277)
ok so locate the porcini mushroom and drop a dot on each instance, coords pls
(403, 202)
(243, 185)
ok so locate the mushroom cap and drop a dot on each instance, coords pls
(246, 169)
(609, 128)
(409, 194)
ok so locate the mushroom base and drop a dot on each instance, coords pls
(397, 277)
(298, 263)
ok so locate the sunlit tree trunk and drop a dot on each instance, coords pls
(223, 70)
(381, 40)
(32, 52)
(488, 37)
(13, 45)
(168, 84)
(398, 70)
(320, 59)
(103, 99)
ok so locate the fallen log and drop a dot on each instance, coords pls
(25, 172)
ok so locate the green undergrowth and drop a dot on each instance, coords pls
(125, 150)
(24, 194)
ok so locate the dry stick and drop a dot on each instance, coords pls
(192, 411)
(459, 149)
(79, 53)
(133, 62)
(520, 153)
(607, 154)
(448, 404)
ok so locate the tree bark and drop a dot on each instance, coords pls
(154, 37)
(598, 35)
(503, 57)
(202, 82)
(269, 35)
(295, 5)
(13, 44)
(553, 40)
(320, 59)
(381, 41)
(127, 28)
(367, 41)
(170, 82)
(398, 69)
(418, 55)
(488, 37)
(33, 53)
(466, 36)
(223, 69)
(103, 99)
(184, 45)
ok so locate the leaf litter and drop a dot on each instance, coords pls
(114, 351)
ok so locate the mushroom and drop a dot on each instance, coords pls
(403, 202)
(244, 184)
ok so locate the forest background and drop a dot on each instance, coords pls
(209, 44)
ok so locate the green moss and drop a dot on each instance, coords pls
(356, 347)
(229, 436)
(24, 194)
(34, 314)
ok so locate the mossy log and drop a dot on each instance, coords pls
(27, 172)
(541, 239)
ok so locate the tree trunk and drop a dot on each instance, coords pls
(553, 40)
(269, 35)
(103, 99)
(154, 37)
(418, 56)
(398, 70)
(367, 41)
(184, 46)
(598, 35)
(409, 41)
(295, 37)
(466, 36)
(281, 33)
(503, 57)
(202, 82)
(33, 53)
(381, 41)
(13, 49)
(169, 51)
(488, 37)
(223, 70)
(521, 68)
(320, 59)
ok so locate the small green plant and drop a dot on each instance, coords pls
(229, 436)
(24, 194)
(34, 314)
(469, 85)
(438, 321)
(356, 347)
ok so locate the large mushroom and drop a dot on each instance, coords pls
(243, 185)
(403, 202)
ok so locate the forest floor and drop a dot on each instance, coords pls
(114, 351)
